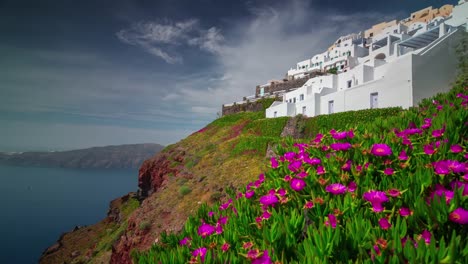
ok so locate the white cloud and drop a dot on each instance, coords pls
(160, 39)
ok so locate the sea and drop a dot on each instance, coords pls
(39, 204)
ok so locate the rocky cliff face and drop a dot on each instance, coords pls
(172, 185)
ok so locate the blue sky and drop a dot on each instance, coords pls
(76, 74)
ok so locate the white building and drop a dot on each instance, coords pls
(399, 66)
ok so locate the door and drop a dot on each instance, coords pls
(331, 108)
(374, 100)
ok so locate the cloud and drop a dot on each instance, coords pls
(264, 46)
(162, 39)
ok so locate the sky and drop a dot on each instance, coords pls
(82, 73)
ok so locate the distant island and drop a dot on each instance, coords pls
(108, 157)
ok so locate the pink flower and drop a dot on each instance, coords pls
(253, 254)
(320, 170)
(376, 198)
(308, 205)
(269, 200)
(302, 174)
(438, 133)
(341, 146)
(200, 252)
(313, 161)
(403, 155)
(336, 188)
(266, 215)
(426, 235)
(384, 223)
(339, 135)
(205, 230)
(295, 165)
(249, 194)
(388, 171)
(225, 247)
(428, 149)
(456, 148)
(247, 245)
(225, 205)
(381, 150)
(274, 163)
(347, 166)
(352, 186)
(297, 184)
(331, 221)
(185, 241)
(219, 229)
(264, 259)
(404, 211)
(222, 220)
(287, 178)
(459, 216)
(281, 192)
(394, 192)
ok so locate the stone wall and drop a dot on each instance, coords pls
(256, 106)
(286, 85)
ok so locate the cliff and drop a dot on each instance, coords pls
(115, 157)
(200, 169)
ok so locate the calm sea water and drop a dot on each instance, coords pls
(39, 204)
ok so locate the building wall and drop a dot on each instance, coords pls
(435, 69)
(283, 109)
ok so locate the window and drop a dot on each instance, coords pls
(275, 114)
(374, 100)
(301, 97)
(349, 84)
(262, 91)
(303, 110)
(294, 100)
(395, 31)
(331, 109)
(371, 35)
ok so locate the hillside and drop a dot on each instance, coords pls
(206, 168)
(116, 157)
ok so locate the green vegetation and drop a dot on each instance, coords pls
(184, 190)
(388, 186)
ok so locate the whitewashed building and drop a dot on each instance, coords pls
(397, 65)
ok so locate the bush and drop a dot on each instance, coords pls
(144, 225)
(184, 190)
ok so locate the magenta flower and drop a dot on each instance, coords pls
(376, 198)
(225, 247)
(384, 223)
(331, 221)
(459, 216)
(336, 188)
(302, 174)
(313, 161)
(388, 171)
(264, 259)
(295, 165)
(287, 178)
(225, 205)
(200, 252)
(253, 254)
(394, 192)
(297, 184)
(406, 141)
(320, 170)
(426, 235)
(456, 148)
(403, 155)
(347, 166)
(266, 215)
(274, 163)
(281, 192)
(381, 150)
(308, 205)
(438, 133)
(339, 135)
(269, 200)
(340, 146)
(219, 229)
(205, 230)
(185, 241)
(351, 134)
(352, 186)
(249, 194)
(404, 211)
(222, 220)
(289, 156)
(428, 149)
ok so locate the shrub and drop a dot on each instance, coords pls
(184, 190)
